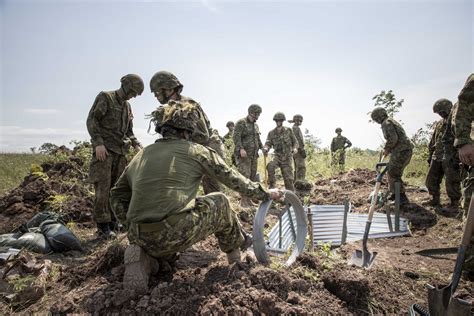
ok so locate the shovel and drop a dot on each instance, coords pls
(441, 300)
(364, 258)
(266, 172)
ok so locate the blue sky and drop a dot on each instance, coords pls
(322, 59)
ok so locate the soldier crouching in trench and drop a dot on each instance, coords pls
(155, 198)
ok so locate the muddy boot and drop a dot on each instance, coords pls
(234, 256)
(138, 268)
(104, 232)
(434, 201)
(404, 199)
(454, 204)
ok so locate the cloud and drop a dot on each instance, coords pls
(42, 111)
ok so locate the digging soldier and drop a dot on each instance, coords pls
(398, 146)
(156, 198)
(443, 159)
(109, 124)
(166, 86)
(299, 157)
(285, 146)
(229, 142)
(247, 143)
(463, 115)
(339, 144)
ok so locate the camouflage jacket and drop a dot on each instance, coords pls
(339, 143)
(299, 136)
(436, 145)
(109, 123)
(394, 134)
(228, 140)
(203, 129)
(450, 153)
(163, 179)
(463, 114)
(247, 136)
(283, 142)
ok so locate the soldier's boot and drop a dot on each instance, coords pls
(454, 203)
(138, 268)
(245, 201)
(234, 256)
(435, 201)
(404, 199)
(104, 232)
(248, 240)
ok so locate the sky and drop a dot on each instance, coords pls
(324, 60)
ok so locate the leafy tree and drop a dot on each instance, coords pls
(48, 148)
(311, 143)
(387, 100)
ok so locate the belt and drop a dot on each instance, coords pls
(165, 223)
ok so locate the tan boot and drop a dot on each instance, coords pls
(234, 256)
(138, 268)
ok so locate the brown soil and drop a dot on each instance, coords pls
(202, 282)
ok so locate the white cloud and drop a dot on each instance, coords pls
(41, 111)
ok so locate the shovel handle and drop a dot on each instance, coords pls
(374, 201)
(265, 171)
(469, 225)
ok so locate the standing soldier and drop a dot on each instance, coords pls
(166, 86)
(247, 143)
(229, 142)
(463, 115)
(299, 157)
(398, 146)
(109, 124)
(443, 159)
(339, 145)
(285, 145)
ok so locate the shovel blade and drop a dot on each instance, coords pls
(458, 307)
(438, 299)
(363, 259)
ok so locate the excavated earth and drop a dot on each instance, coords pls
(320, 282)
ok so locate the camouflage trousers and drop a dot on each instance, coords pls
(104, 174)
(300, 166)
(439, 169)
(338, 158)
(395, 167)
(467, 187)
(248, 167)
(211, 214)
(286, 167)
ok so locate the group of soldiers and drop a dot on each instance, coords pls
(154, 197)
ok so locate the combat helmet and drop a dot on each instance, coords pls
(164, 80)
(255, 108)
(177, 114)
(133, 82)
(279, 116)
(230, 123)
(298, 117)
(442, 105)
(379, 114)
(338, 130)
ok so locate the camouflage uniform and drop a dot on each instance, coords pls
(284, 143)
(463, 115)
(338, 150)
(110, 124)
(228, 142)
(247, 136)
(156, 198)
(443, 161)
(299, 157)
(400, 149)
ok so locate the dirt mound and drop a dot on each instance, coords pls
(54, 186)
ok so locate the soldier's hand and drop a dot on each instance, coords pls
(101, 152)
(265, 151)
(295, 151)
(137, 147)
(243, 153)
(276, 194)
(466, 154)
(386, 153)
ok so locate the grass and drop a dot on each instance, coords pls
(14, 167)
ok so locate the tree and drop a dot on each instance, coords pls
(33, 150)
(388, 101)
(48, 148)
(311, 143)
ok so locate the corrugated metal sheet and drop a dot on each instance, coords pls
(328, 222)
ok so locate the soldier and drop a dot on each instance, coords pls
(398, 146)
(299, 157)
(443, 159)
(109, 124)
(166, 86)
(229, 142)
(463, 115)
(339, 145)
(247, 143)
(156, 199)
(285, 145)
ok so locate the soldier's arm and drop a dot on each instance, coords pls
(431, 145)
(348, 142)
(237, 136)
(294, 140)
(129, 132)
(269, 142)
(120, 197)
(97, 112)
(462, 123)
(390, 135)
(333, 145)
(216, 168)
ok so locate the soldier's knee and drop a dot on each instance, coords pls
(218, 199)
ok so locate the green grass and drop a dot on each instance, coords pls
(14, 167)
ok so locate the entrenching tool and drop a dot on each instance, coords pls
(364, 258)
(437, 251)
(441, 300)
(266, 172)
